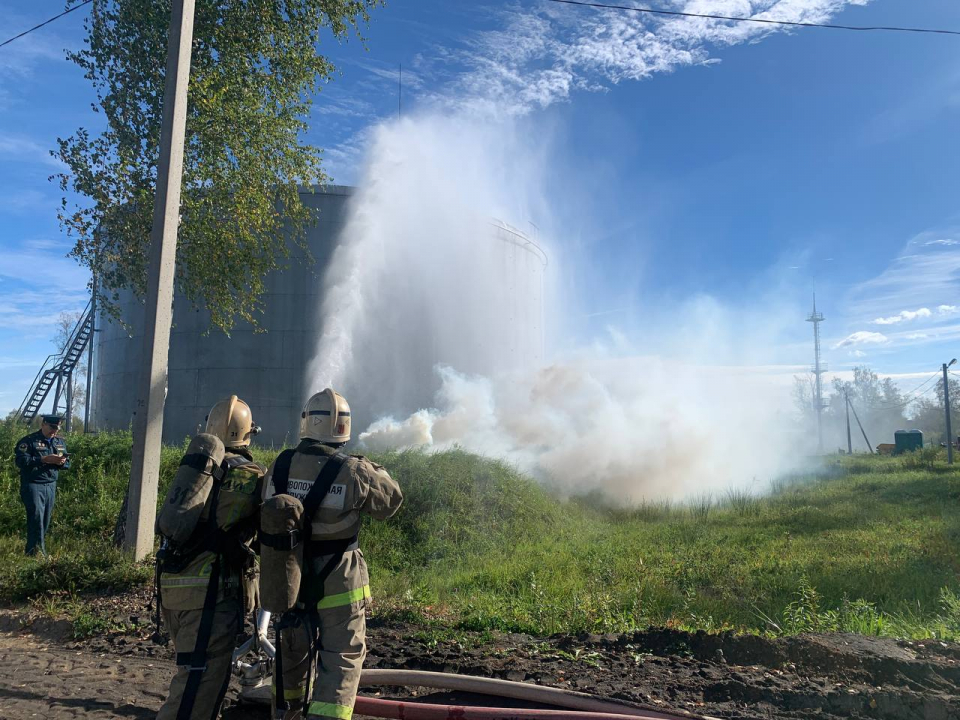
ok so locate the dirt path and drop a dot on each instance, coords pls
(43, 674)
(46, 679)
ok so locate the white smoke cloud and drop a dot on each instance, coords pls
(632, 428)
(422, 279)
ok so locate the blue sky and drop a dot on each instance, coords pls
(697, 159)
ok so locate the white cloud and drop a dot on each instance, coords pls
(26, 299)
(44, 244)
(933, 96)
(857, 353)
(862, 337)
(917, 336)
(902, 316)
(28, 52)
(20, 147)
(27, 200)
(922, 276)
(343, 106)
(20, 60)
(948, 309)
(541, 55)
(942, 241)
(343, 161)
(391, 74)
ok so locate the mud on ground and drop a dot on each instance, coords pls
(45, 674)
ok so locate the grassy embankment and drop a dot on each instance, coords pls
(866, 544)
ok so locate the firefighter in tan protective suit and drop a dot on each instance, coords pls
(323, 633)
(207, 570)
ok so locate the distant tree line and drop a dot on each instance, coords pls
(881, 406)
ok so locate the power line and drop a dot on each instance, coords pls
(46, 22)
(932, 377)
(765, 21)
(905, 402)
(911, 396)
(930, 389)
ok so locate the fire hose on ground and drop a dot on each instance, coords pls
(573, 705)
(577, 705)
(401, 710)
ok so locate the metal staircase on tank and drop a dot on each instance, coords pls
(57, 368)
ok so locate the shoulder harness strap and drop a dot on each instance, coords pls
(236, 461)
(198, 461)
(281, 471)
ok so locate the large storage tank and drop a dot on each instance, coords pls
(268, 368)
(265, 368)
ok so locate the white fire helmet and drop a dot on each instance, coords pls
(231, 421)
(326, 418)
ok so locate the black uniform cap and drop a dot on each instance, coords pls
(52, 419)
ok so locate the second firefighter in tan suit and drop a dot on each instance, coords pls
(208, 582)
(330, 615)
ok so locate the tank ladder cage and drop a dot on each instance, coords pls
(58, 366)
(520, 239)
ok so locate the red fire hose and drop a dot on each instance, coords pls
(399, 710)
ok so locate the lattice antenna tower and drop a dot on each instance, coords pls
(818, 369)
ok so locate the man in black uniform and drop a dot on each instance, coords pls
(40, 456)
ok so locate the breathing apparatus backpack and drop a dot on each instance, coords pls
(286, 550)
(191, 488)
(281, 553)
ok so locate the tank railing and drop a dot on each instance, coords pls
(36, 381)
(520, 239)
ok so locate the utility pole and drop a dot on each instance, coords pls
(152, 389)
(846, 399)
(946, 405)
(818, 369)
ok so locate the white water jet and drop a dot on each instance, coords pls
(428, 272)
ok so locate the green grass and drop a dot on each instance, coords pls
(863, 544)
